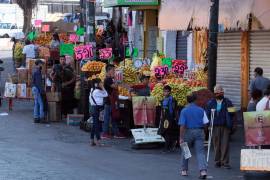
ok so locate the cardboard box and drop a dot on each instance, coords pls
(22, 75)
(53, 96)
(54, 112)
(10, 90)
(29, 93)
(30, 64)
(21, 91)
(74, 119)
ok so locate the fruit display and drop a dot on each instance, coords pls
(18, 51)
(157, 93)
(179, 93)
(123, 91)
(157, 61)
(130, 75)
(102, 75)
(201, 75)
(93, 66)
(45, 40)
(126, 63)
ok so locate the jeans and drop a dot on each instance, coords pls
(96, 124)
(196, 137)
(39, 106)
(108, 119)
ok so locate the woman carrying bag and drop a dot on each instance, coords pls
(97, 94)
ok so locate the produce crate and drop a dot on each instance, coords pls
(74, 119)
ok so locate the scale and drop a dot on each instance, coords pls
(143, 136)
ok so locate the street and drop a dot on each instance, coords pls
(31, 151)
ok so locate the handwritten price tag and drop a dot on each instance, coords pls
(105, 53)
(84, 52)
(189, 75)
(161, 71)
(179, 68)
(73, 38)
(45, 28)
(38, 23)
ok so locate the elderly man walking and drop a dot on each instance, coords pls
(222, 126)
(192, 121)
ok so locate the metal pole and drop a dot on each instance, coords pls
(210, 133)
(212, 44)
(90, 24)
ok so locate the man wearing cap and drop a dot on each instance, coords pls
(144, 90)
(38, 91)
(222, 126)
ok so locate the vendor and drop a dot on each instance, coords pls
(143, 89)
(64, 80)
(29, 51)
(56, 41)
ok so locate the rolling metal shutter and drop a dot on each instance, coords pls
(181, 45)
(260, 52)
(229, 65)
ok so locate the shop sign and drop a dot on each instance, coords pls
(105, 53)
(255, 160)
(257, 128)
(161, 71)
(109, 3)
(73, 38)
(84, 52)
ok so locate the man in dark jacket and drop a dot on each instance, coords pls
(222, 126)
(38, 91)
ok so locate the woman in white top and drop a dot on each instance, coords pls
(97, 94)
(56, 41)
(264, 103)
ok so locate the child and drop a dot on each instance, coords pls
(97, 94)
(168, 126)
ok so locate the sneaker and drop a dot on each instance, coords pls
(106, 136)
(203, 175)
(119, 136)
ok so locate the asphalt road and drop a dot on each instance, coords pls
(59, 152)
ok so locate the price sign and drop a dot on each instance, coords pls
(179, 66)
(105, 53)
(73, 38)
(38, 23)
(84, 52)
(45, 28)
(189, 75)
(161, 71)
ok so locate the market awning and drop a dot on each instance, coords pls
(112, 3)
(233, 14)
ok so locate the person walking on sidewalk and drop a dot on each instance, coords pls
(222, 126)
(38, 92)
(97, 94)
(109, 116)
(193, 120)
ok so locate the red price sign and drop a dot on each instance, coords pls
(105, 53)
(161, 71)
(45, 28)
(179, 66)
(73, 38)
(84, 52)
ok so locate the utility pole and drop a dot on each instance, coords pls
(212, 44)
